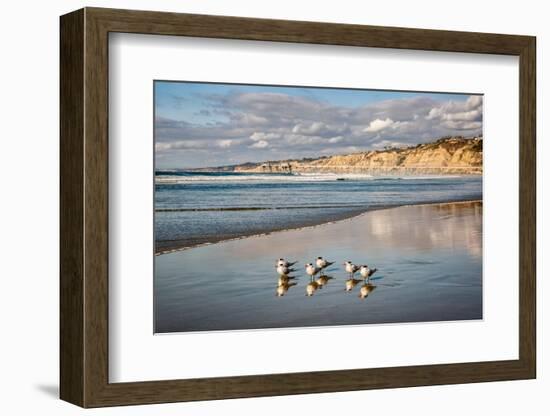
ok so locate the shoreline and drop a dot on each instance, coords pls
(375, 175)
(352, 216)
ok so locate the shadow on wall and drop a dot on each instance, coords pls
(49, 390)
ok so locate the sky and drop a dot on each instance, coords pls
(209, 124)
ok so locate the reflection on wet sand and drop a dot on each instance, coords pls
(425, 227)
(323, 280)
(351, 283)
(286, 282)
(435, 226)
(366, 290)
(285, 279)
(283, 287)
(311, 288)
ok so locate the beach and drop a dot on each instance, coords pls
(428, 256)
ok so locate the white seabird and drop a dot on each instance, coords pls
(283, 262)
(322, 263)
(351, 268)
(284, 270)
(311, 270)
(366, 272)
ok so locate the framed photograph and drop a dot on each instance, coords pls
(255, 207)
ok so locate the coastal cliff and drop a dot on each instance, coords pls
(449, 155)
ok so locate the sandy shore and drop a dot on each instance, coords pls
(171, 247)
(429, 269)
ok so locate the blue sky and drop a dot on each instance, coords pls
(208, 124)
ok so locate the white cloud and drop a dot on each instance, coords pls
(474, 101)
(434, 113)
(264, 136)
(262, 144)
(302, 139)
(224, 144)
(464, 116)
(312, 128)
(181, 144)
(250, 119)
(456, 115)
(378, 124)
(461, 125)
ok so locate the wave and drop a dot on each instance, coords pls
(420, 177)
(176, 180)
(166, 178)
(262, 208)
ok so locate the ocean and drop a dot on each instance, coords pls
(194, 208)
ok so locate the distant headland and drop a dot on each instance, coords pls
(448, 155)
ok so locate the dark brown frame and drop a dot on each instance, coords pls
(84, 208)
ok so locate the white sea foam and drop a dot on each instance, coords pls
(430, 177)
(302, 177)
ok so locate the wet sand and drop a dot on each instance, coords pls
(171, 246)
(428, 259)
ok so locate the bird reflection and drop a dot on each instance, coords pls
(285, 279)
(323, 280)
(312, 287)
(284, 285)
(351, 283)
(366, 290)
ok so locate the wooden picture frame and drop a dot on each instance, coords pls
(84, 207)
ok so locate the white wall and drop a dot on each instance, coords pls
(29, 209)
